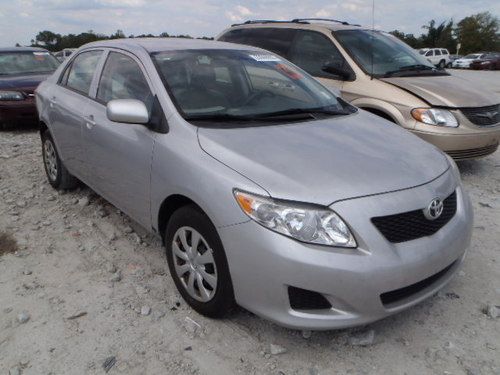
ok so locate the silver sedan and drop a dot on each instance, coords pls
(267, 189)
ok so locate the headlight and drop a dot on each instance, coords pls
(306, 224)
(435, 116)
(11, 95)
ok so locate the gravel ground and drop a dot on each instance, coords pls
(87, 291)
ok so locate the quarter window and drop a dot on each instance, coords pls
(82, 71)
(122, 78)
(312, 50)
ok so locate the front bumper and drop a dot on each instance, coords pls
(265, 264)
(466, 145)
(463, 65)
(15, 112)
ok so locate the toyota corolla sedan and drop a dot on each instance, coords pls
(268, 190)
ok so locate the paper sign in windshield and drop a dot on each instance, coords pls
(263, 57)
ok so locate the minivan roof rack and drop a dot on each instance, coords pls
(249, 22)
(295, 20)
(324, 20)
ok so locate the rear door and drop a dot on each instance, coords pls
(119, 155)
(67, 102)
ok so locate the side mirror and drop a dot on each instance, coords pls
(334, 69)
(129, 111)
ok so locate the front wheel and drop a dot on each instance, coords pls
(198, 263)
(57, 174)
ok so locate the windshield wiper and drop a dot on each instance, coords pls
(217, 117)
(409, 68)
(285, 115)
(307, 112)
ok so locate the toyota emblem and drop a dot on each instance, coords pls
(434, 209)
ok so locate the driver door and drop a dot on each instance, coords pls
(119, 155)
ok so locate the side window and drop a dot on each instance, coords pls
(122, 78)
(277, 40)
(430, 53)
(64, 78)
(81, 72)
(438, 52)
(312, 50)
(444, 52)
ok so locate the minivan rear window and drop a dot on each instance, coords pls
(277, 40)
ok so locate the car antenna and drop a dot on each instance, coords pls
(371, 38)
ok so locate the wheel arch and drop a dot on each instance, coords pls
(169, 205)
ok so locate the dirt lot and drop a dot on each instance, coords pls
(87, 288)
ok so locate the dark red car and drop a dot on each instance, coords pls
(490, 61)
(21, 71)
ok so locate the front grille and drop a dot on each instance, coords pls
(397, 295)
(302, 299)
(483, 116)
(411, 225)
(473, 152)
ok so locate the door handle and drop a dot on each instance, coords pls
(89, 122)
(52, 102)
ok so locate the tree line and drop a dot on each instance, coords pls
(57, 42)
(479, 32)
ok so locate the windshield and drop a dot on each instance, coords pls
(231, 85)
(27, 62)
(473, 56)
(380, 53)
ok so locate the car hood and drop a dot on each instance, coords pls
(324, 161)
(27, 82)
(445, 91)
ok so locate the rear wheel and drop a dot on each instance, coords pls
(442, 64)
(197, 262)
(57, 174)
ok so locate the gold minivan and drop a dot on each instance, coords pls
(379, 73)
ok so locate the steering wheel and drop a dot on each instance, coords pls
(258, 95)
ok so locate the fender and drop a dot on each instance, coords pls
(382, 106)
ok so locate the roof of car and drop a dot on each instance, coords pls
(301, 23)
(166, 44)
(22, 49)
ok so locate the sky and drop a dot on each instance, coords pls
(21, 20)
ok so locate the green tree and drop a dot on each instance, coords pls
(48, 40)
(479, 32)
(439, 36)
(409, 39)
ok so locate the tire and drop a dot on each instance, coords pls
(214, 299)
(442, 64)
(57, 174)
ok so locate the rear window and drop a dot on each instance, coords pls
(277, 40)
(27, 62)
